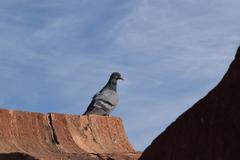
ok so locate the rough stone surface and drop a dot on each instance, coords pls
(209, 130)
(28, 135)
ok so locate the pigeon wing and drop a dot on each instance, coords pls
(108, 96)
(91, 105)
(105, 100)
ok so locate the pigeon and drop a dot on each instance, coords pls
(106, 99)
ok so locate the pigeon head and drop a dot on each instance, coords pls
(112, 82)
(116, 76)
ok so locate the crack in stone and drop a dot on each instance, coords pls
(53, 133)
(98, 156)
(92, 133)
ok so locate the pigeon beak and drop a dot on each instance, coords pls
(121, 78)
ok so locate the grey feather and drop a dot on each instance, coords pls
(106, 99)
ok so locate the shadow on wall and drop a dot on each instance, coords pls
(207, 131)
(16, 156)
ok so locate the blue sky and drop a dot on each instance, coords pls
(55, 54)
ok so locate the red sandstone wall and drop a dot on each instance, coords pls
(51, 136)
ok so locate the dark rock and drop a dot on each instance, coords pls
(209, 130)
(16, 156)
